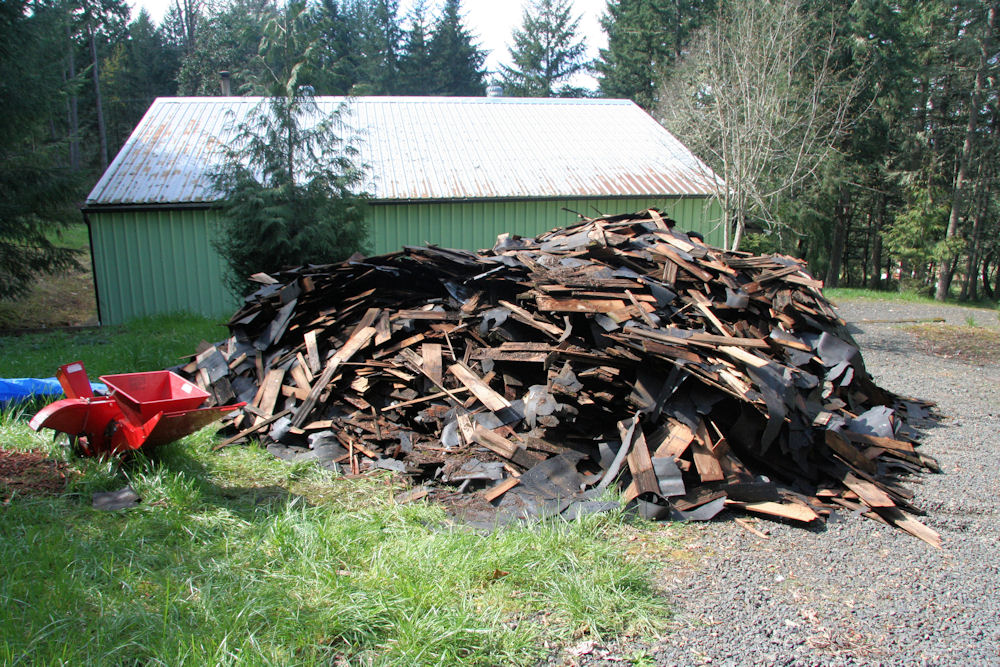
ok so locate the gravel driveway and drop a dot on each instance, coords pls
(857, 592)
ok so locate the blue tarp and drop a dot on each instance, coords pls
(22, 389)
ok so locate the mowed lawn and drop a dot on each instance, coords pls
(233, 557)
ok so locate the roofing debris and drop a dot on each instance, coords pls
(525, 380)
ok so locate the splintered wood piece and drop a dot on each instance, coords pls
(479, 389)
(746, 525)
(253, 429)
(299, 377)
(740, 354)
(642, 312)
(270, 390)
(401, 345)
(424, 399)
(793, 511)
(436, 315)
(494, 442)
(878, 441)
(676, 441)
(494, 492)
(757, 285)
(296, 392)
(910, 524)
(383, 330)
(870, 494)
(472, 303)
(312, 350)
(467, 428)
(716, 322)
(432, 361)
(669, 273)
(412, 496)
(626, 429)
(641, 466)
(551, 304)
(705, 460)
(657, 219)
(524, 317)
(359, 339)
(673, 256)
(512, 355)
(304, 365)
(849, 452)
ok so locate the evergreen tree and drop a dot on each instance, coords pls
(645, 37)
(36, 185)
(289, 181)
(226, 40)
(455, 60)
(379, 35)
(335, 62)
(546, 51)
(289, 187)
(138, 70)
(415, 70)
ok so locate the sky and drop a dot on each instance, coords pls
(492, 21)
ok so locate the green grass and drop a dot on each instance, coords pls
(73, 235)
(847, 293)
(237, 558)
(145, 344)
(234, 557)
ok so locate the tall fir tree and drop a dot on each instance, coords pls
(227, 39)
(379, 36)
(546, 52)
(644, 38)
(140, 69)
(37, 186)
(415, 71)
(290, 185)
(335, 64)
(455, 59)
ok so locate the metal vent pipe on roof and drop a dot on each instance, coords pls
(224, 83)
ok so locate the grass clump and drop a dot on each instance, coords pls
(860, 293)
(145, 344)
(237, 558)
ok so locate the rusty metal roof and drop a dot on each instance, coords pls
(426, 148)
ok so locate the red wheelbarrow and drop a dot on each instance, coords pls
(143, 409)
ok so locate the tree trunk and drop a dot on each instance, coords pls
(946, 270)
(987, 288)
(969, 282)
(102, 130)
(72, 112)
(875, 279)
(840, 226)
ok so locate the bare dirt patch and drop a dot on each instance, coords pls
(966, 343)
(30, 473)
(60, 300)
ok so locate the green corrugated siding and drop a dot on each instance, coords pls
(476, 224)
(161, 261)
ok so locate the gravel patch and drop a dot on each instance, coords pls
(857, 592)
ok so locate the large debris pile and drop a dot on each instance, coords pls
(533, 376)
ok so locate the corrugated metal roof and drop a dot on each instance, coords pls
(426, 148)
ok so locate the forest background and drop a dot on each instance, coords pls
(859, 135)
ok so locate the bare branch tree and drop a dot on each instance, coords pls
(760, 99)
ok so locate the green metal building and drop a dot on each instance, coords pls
(455, 172)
